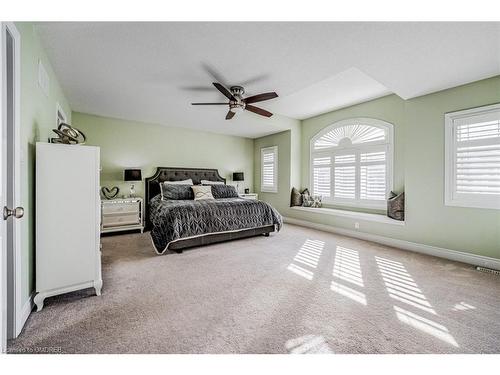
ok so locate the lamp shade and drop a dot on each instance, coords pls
(238, 176)
(132, 175)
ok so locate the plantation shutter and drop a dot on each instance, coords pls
(373, 175)
(322, 175)
(345, 176)
(477, 154)
(269, 173)
(351, 163)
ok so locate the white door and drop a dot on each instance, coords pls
(9, 120)
(3, 198)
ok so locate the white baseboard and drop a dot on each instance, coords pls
(459, 256)
(24, 315)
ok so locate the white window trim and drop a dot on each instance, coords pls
(450, 199)
(274, 188)
(389, 142)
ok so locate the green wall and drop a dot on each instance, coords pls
(418, 169)
(288, 143)
(38, 117)
(147, 146)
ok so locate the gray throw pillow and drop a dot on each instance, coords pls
(224, 191)
(296, 198)
(176, 192)
(306, 198)
(396, 206)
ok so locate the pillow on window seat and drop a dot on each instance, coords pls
(306, 198)
(296, 198)
(396, 206)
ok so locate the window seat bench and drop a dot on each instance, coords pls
(379, 218)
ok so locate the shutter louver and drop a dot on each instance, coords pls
(477, 156)
(322, 176)
(345, 176)
(269, 169)
(372, 183)
(357, 134)
(372, 176)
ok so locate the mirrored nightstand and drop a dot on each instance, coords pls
(249, 196)
(121, 214)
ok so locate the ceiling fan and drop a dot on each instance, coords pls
(237, 103)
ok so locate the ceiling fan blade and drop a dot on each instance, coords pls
(258, 110)
(209, 103)
(260, 97)
(197, 88)
(224, 91)
(230, 115)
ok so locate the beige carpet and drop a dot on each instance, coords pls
(298, 291)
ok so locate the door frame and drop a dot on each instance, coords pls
(20, 315)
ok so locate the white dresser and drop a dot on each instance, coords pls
(121, 214)
(68, 254)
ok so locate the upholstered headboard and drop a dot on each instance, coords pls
(175, 174)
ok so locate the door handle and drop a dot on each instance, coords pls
(17, 212)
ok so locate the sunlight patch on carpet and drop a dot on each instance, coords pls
(309, 344)
(308, 258)
(401, 286)
(347, 267)
(348, 292)
(425, 325)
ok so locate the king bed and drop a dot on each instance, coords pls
(182, 222)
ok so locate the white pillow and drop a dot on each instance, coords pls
(183, 182)
(208, 182)
(202, 192)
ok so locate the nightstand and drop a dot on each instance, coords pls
(121, 214)
(249, 196)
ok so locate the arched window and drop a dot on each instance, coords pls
(351, 162)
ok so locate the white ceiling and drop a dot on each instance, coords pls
(151, 72)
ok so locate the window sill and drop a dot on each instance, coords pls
(351, 214)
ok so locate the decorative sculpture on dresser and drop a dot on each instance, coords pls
(110, 193)
(68, 135)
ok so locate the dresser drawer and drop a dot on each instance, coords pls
(123, 219)
(131, 207)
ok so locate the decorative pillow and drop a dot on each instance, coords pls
(306, 198)
(176, 192)
(396, 206)
(224, 191)
(183, 182)
(316, 201)
(208, 182)
(313, 201)
(202, 192)
(296, 198)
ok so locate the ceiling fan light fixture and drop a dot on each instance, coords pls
(238, 104)
(237, 107)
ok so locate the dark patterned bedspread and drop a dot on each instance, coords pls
(178, 219)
